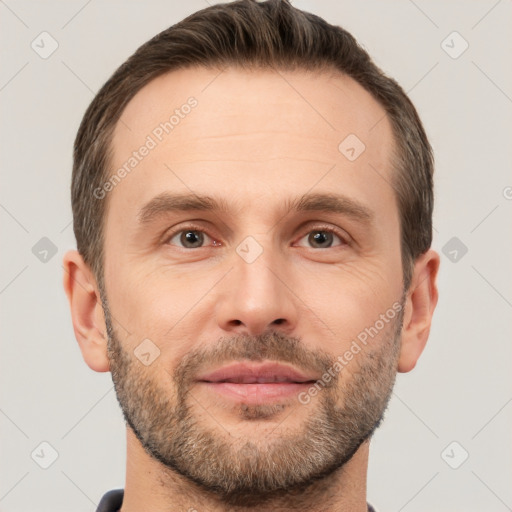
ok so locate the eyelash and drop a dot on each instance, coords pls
(328, 229)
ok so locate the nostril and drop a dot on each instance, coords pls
(279, 321)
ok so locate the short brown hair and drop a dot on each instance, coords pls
(251, 34)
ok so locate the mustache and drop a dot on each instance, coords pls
(269, 346)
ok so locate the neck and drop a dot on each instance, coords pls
(151, 486)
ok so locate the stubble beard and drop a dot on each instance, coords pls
(243, 470)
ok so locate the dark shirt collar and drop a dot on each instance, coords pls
(112, 501)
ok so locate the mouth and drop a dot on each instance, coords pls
(251, 379)
(256, 383)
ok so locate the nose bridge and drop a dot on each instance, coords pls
(257, 267)
(256, 298)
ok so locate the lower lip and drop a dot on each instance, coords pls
(257, 393)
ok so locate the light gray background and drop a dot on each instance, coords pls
(461, 389)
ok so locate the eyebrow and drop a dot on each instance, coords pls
(312, 202)
(168, 203)
(331, 203)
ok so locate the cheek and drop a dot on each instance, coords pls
(171, 307)
(343, 302)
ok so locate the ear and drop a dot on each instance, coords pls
(86, 311)
(419, 307)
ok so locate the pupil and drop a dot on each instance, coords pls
(191, 238)
(321, 237)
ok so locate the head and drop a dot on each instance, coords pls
(249, 186)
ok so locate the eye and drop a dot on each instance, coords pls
(190, 238)
(323, 238)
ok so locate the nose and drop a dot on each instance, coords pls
(257, 296)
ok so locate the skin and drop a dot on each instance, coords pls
(255, 139)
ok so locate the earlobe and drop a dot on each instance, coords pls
(419, 307)
(86, 311)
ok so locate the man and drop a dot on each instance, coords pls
(252, 202)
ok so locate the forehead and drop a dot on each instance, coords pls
(248, 99)
(258, 131)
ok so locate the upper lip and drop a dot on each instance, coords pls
(248, 373)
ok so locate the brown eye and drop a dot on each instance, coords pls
(189, 238)
(322, 239)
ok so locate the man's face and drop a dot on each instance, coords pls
(265, 278)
